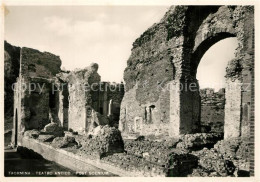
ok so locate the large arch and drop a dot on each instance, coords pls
(169, 52)
(203, 47)
(198, 38)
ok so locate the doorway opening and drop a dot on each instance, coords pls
(211, 77)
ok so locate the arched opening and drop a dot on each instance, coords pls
(210, 70)
(203, 48)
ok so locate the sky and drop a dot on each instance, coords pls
(81, 35)
(212, 67)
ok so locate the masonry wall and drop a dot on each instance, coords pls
(32, 93)
(232, 126)
(81, 98)
(213, 110)
(170, 52)
(77, 109)
(63, 109)
(39, 64)
(11, 72)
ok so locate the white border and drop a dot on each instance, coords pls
(4, 3)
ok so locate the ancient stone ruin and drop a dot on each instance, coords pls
(44, 94)
(212, 112)
(159, 123)
(174, 46)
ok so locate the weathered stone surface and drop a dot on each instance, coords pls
(212, 161)
(165, 56)
(91, 102)
(153, 151)
(39, 64)
(80, 102)
(201, 172)
(169, 53)
(212, 110)
(234, 69)
(64, 142)
(180, 163)
(11, 72)
(199, 140)
(135, 164)
(232, 126)
(32, 133)
(32, 91)
(99, 119)
(236, 150)
(46, 138)
(107, 141)
(53, 128)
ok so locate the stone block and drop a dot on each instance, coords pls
(107, 141)
(32, 133)
(212, 161)
(46, 138)
(53, 128)
(64, 142)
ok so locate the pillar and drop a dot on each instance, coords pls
(232, 126)
(184, 107)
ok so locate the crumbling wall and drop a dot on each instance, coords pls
(233, 99)
(39, 64)
(170, 52)
(149, 70)
(32, 91)
(106, 99)
(83, 114)
(11, 72)
(239, 75)
(110, 96)
(212, 110)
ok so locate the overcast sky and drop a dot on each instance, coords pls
(84, 34)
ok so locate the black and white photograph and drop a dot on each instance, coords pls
(128, 90)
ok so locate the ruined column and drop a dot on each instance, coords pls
(184, 107)
(232, 126)
(233, 95)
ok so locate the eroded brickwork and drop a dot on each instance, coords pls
(32, 91)
(212, 110)
(161, 104)
(168, 53)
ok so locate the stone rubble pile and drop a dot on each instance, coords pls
(212, 110)
(211, 161)
(135, 164)
(236, 150)
(108, 140)
(64, 142)
(199, 140)
(150, 150)
(54, 129)
(200, 154)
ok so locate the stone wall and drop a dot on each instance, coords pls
(11, 72)
(80, 97)
(85, 102)
(46, 94)
(107, 98)
(39, 64)
(212, 110)
(168, 53)
(32, 95)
